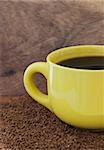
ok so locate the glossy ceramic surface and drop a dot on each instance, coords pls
(76, 96)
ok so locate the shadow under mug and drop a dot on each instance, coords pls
(76, 96)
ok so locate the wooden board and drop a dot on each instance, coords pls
(29, 30)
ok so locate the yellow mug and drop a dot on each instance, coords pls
(76, 96)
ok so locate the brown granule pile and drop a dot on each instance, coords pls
(26, 125)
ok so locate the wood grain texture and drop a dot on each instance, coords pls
(29, 30)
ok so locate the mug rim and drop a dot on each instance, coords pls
(57, 51)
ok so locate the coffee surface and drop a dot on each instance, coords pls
(91, 63)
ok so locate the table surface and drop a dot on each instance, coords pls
(27, 125)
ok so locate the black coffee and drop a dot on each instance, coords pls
(92, 63)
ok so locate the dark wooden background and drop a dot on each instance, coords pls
(29, 30)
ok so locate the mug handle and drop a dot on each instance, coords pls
(32, 90)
